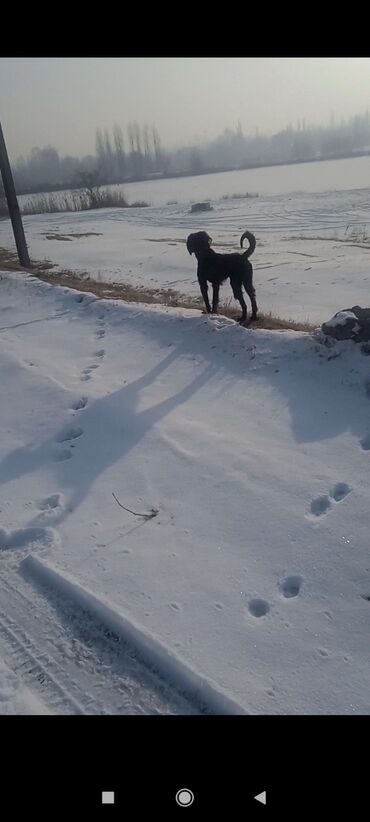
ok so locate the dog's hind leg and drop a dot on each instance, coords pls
(216, 289)
(204, 291)
(252, 296)
(238, 294)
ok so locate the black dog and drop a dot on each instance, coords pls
(216, 268)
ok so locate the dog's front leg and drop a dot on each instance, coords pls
(204, 289)
(216, 289)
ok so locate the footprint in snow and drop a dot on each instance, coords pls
(365, 443)
(50, 508)
(86, 374)
(63, 455)
(258, 607)
(340, 491)
(51, 503)
(290, 586)
(78, 405)
(323, 652)
(321, 505)
(69, 433)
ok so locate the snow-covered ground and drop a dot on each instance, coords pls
(252, 582)
(312, 255)
(249, 588)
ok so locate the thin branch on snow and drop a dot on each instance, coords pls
(152, 514)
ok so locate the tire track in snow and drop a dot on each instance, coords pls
(70, 662)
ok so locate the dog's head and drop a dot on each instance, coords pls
(198, 243)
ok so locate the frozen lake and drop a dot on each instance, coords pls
(328, 175)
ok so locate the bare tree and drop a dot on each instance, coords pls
(131, 143)
(109, 156)
(138, 150)
(120, 152)
(101, 154)
(147, 151)
(195, 162)
(157, 149)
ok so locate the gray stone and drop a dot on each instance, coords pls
(355, 326)
(201, 207)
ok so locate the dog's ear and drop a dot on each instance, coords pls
(204, 240)
(190, 243)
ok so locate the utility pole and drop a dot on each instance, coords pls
(13, 206)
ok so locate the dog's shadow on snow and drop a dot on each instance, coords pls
(322, 387)
(314, 385)
(107, 429)
(324, 390)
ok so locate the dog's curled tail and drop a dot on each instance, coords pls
(252, 243)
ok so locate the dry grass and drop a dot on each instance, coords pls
(9, 262)
(48, 204)
(359, 239)
(131, 293)
(269, 321)
(246, 196)
(84, 200)
(139, 204)
(69, 237)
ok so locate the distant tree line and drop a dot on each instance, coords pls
(292, 145)
(138, 154)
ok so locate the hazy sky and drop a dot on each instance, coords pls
(62, 101)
